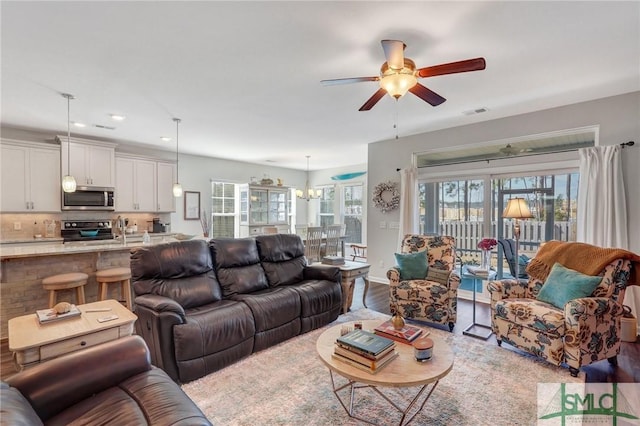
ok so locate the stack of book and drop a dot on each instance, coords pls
(333, 260)
(50, 315)
(364, 350)
(407, 334)
(476, 270)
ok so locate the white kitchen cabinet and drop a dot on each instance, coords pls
(30, 177)
(92, 163)
(135, 185)
(144, 185)
(166, 173)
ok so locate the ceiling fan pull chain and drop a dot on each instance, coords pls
(395, 124)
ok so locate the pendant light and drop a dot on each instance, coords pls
(68, 182)
(177, 188)
(308, 193)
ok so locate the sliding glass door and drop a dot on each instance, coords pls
(470, 209)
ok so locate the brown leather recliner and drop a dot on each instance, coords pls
(112, 383)
(201, 308)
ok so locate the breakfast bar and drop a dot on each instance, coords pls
(24, 266)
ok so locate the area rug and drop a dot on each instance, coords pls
(288, 385)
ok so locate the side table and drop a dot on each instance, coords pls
(476, 329)
(350, 271)
(33, 343)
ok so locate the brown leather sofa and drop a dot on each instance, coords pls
(202, 307)
(109, 384)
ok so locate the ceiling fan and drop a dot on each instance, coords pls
(399, 75)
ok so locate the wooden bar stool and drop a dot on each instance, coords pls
(75, 280)
(120, 276)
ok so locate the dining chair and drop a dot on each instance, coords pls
(312, 244)
(334, 232)
(301, 231)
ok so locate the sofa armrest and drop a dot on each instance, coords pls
(507, 289)
(393, 274)
(55, 385)
(317, 272)
(592, 329)
(160, 304)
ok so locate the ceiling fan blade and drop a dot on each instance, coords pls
(475, 64)
(427, 95)
(336, 81)
(373, 100)
(394, 52)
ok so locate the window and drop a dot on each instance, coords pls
(470, 209)
(353, 198)
(327, 200)
(223, 209)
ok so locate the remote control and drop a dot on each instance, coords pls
(107, 318)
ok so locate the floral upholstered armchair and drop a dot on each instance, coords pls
(544, 317)
(431, 297)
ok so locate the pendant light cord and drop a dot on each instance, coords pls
(177, 120)
(68, 134)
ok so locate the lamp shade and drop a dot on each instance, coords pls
(177, 190)
(517, 208)
(69, 184)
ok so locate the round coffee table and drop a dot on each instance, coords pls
(404, 371)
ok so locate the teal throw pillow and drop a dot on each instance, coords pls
(412, 266)
(564, 284)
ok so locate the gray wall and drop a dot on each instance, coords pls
(618, 118)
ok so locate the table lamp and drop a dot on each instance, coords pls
(517, 209)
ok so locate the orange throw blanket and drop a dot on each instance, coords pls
(581, 257)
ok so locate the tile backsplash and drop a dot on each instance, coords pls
(32, 224)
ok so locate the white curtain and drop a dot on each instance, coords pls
(602, 206)
(409, 204)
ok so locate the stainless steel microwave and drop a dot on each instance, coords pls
(89, 198)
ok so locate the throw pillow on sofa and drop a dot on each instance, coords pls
(412, 266)
(564, 284)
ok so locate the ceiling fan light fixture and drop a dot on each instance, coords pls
(398, 82)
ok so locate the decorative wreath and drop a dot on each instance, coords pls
(386, 196)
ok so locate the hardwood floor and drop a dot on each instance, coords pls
(628, 369)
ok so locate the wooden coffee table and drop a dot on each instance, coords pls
(33, 343)
(404, 371)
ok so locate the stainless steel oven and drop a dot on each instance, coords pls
(89, 198)
(86, 230)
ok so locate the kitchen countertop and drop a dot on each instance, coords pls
(12, 251)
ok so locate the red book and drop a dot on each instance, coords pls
(408, 333)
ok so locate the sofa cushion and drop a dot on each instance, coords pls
(272, 307)
(213, 328)
(412, 266)
(533, 314)
(564, 284)
(282, 257)
(181, 271)
(15, 410)
(237, 265)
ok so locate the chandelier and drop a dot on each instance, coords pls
(308, 193)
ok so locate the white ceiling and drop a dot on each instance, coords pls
(244, 77)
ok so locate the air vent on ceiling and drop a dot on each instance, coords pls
(100, 126)
(475, 111)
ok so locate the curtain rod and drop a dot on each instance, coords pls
(625, 144)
